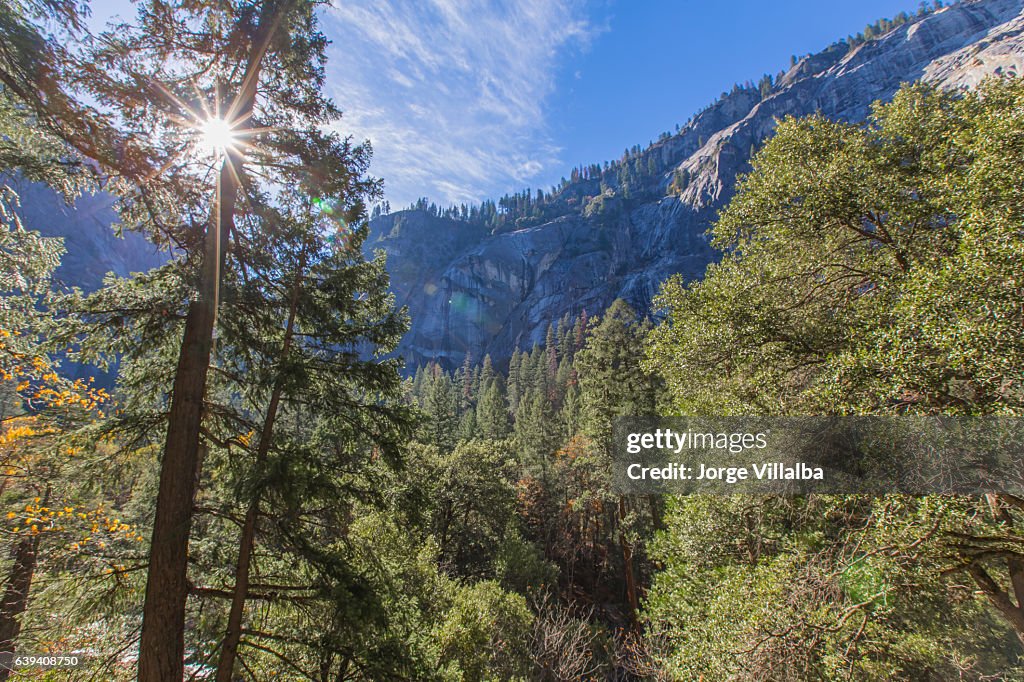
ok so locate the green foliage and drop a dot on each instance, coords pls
(441, 408)
(536, 430)
(483, 633)
(520, 566)
(868, 268)
(612, 382)
(536, 512)
(822, 588)
(28, 260)
(303, 319)
(492, 417)
(472, 501)
(71, 518)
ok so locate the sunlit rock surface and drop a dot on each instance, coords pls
(470, 291)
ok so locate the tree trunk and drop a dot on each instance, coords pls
(162, 645)
(998, 597)
(15, 600)
(229, 648)
(657, 520)
(627, 560)
(1011, 607)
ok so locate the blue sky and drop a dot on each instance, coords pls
(469, 99)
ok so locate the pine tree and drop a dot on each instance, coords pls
(570, 412)
(537, 433)
(564, 336)
(487, 372)
(536, 370)
(611, 378)
(564, 377)
(320, 289)
(580, 330)
(259, 66)
(419, 384)
(476, 387)
(613, 384)
(441, 407)
(467, 425)
(551, 366)
(492, 413)
(239, 77)
(466, 382)
(515, 380)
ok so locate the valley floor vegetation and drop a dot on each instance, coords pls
(257, 492)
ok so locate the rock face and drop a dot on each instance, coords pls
(470, 291)
(93, 249)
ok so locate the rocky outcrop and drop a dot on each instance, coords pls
(501, 292)
(469, 291)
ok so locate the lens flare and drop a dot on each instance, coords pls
(217, 135)
(324, 206)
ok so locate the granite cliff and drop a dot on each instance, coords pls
(474, 288)
(92, 247)
(471, 290)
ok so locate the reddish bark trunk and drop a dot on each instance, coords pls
(229, 648)
(627, 560)
(162, 644)
(15, 599)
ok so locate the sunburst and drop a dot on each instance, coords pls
(217, 133)
(218, 136)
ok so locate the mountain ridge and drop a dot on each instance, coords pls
(615, 230)
(491, 293)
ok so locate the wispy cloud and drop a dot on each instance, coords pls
(452, 92)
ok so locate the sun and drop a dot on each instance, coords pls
(217, 136)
